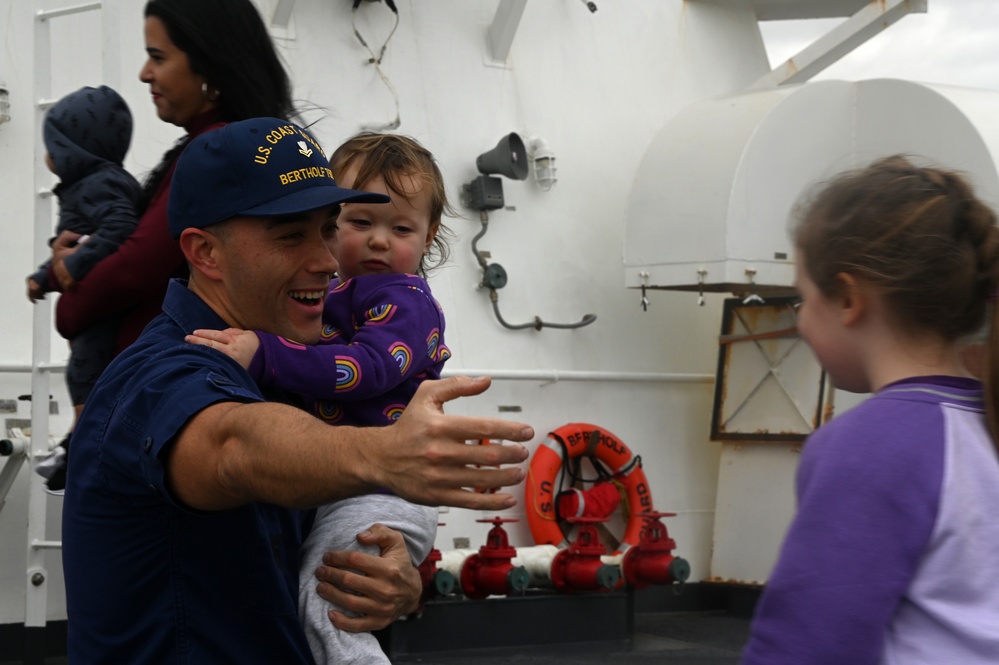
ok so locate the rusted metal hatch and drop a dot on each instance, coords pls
(768, 387)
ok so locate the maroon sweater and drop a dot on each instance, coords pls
(131, 282)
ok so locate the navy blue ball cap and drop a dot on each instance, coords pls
(262, 167)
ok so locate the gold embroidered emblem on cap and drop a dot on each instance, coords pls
(308, 137)
(303, 148)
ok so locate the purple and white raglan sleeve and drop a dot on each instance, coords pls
(869, 488)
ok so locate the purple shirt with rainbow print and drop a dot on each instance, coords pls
(382, 336)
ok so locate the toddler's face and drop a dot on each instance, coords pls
(383, 238)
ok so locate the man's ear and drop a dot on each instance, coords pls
(202, 250)
(853, 299)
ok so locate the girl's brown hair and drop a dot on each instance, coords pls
(921, 239)
(393, 156)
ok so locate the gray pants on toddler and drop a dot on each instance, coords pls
(336, 528)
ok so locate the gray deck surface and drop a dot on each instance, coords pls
(673, 638)
(694, 635)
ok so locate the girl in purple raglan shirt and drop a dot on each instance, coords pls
(891, 557)
(383, 335)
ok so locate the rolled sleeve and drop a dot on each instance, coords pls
(148, 417)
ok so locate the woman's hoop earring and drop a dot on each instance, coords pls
(204, 91)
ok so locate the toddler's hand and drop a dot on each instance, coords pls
(35, 291)
(240, 345)
(64, 245)
(66, 281)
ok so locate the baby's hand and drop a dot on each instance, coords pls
(240, 345)
(66, 281)
(35, 291)
(64, 245)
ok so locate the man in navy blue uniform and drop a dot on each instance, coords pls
(189, 489)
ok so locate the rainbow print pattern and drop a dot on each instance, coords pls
(435, 350)
(393, 411)
(432, 341)
(348, 373)
(329, 412)
(292, 344)
(402, 354)
(380, 315)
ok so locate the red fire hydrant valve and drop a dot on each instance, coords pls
(651, 561)
(490, 572)
(578, 567)
(436, 582)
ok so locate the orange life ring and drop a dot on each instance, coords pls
(577, 440)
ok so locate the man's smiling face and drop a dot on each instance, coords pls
(277, 270)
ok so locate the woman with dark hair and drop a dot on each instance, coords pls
(210, 62)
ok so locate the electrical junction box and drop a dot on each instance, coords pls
(485, 193)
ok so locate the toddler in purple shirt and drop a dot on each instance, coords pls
(383, 335)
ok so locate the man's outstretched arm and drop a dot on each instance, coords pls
(233, 453)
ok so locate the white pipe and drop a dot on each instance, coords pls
(537, 561)
(555, 375)
(612, 559)
(453, 560)
(550, 375)
(27, 369)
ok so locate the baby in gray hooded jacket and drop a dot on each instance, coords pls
(87, 134)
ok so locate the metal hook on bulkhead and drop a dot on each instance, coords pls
(753, 297)
(645, 282)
